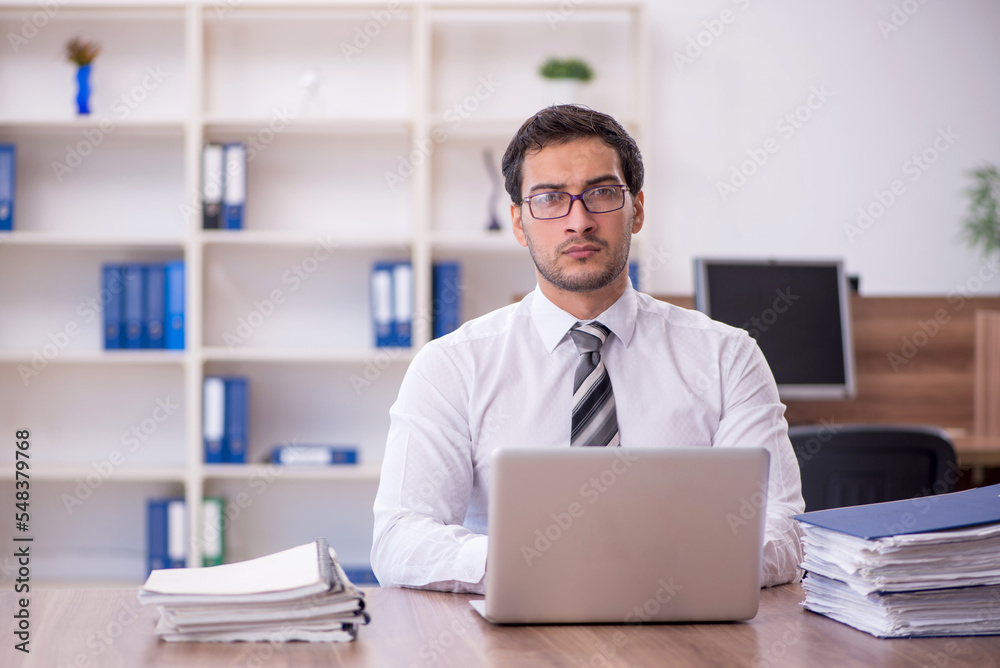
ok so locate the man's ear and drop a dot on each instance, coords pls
(639, 212)
(515, 223)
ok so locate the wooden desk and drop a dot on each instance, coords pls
(88, 628)
(977, 453)
(977, 450)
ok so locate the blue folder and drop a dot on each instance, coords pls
(112, 292)
(234, 449)
(154, 308)
(8, 172)
(402, 304)
(633, 274)
(173, 336)
(156, 535)
(920, 515)
(132, 310)
(314, 455)
(447, 297)
(214, 419)
(382, 304)
(234, 192)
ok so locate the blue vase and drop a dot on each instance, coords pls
(83, 90)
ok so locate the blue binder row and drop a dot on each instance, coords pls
(447, 294)
(225, 419)
(143, 305)
(223, 185)
(8, 172)
(392, 303)
(167, 532)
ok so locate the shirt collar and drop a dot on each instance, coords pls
(552, 323)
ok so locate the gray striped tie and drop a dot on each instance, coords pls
(595, 421)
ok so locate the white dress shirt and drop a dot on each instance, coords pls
(679, 379)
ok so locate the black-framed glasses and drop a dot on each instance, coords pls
(599, 199)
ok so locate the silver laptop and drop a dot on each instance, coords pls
(584, 535)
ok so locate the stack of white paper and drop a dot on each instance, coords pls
(942, 583)
(297, 594)
(865, 570)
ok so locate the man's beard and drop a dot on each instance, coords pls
(589, 281)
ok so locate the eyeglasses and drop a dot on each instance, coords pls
(599, 199)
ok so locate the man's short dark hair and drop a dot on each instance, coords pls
(564, 123)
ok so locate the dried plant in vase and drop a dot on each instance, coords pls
(82, 54)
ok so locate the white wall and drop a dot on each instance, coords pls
(890, 93)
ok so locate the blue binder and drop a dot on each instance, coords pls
(381, 304)
(361, 575)
(234, 192)
(402, 304)
(633, 274)
(212, 183)
(8, 172)
(447, 297)
(112, 293)
(132, 310)
(234, 447)
(925, 513)
(155, 306)
(313, 455)
(213, 407)
(177, 534)
(156, 535)
(173, 336)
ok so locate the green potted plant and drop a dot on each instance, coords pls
(982, 224)
(82, 54)
(565, 76)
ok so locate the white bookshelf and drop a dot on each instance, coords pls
(319, 198)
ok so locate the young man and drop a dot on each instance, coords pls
(661, 374)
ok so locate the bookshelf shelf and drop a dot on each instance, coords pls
(502, 240)
(274, 472)
(335, 241)
(99, 357)
(78, 240)
(305, 125)
(54, 473)
(307, 355)
(109, 124)
(383, 159)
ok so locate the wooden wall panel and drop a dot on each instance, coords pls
(987, 374)
(915, 362)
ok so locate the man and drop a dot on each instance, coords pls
(677, 378)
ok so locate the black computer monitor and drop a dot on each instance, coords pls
(798, 311)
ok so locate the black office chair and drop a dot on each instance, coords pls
(848, 465)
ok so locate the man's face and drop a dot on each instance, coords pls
(581, 252)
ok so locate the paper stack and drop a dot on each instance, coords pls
(297, 594)
(921, 567)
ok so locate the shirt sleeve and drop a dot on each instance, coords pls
(426, 482)
(753, 416)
